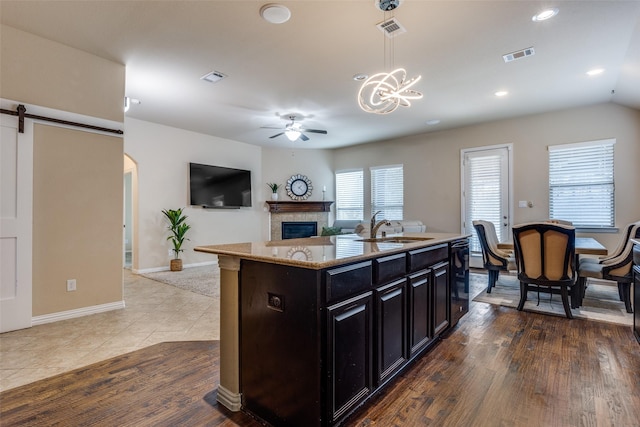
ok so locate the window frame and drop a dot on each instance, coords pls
(339, 209)
(385, 208)
(593, 159)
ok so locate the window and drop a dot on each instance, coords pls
(387, 192)
(350, 194)
(581, 187)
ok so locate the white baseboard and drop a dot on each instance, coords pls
(166, 268)
(78, 312)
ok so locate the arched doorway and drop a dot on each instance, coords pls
(130, 185)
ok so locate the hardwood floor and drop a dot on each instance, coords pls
(499, 367)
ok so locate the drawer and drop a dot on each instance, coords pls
(420, 259)
(348, 280)
(389, 268)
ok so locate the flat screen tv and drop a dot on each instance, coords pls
(219, 187)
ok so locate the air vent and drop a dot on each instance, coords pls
(391, 28)
(518, 54)
(213, 77)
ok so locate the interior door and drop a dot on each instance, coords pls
(486, 192)
(16, 197)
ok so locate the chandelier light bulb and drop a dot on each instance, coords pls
(383, 93)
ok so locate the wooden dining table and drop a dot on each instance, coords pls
(584, 246)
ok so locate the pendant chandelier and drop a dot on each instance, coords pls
(383, 93)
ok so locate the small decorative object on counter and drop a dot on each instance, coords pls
(178, 228)
(274, 190)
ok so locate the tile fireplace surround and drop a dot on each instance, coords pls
(297, 212)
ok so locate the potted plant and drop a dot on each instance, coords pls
(274, 190)
(178, 228)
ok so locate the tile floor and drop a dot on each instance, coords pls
(155, 312)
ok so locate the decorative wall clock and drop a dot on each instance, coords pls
(299, 187)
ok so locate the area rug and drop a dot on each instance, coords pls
(601, 301)
(203, 280)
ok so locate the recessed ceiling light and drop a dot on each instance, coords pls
(501, 93)
(595, 71)
(275, 13)
(433, 122)
(213, 77)
(360, 76)
(544, 15)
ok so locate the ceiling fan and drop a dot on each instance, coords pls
(294, 130)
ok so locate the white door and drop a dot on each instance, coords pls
(486, 184)
(16, 202)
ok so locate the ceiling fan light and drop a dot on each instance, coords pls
(292, 134)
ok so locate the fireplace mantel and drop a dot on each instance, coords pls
(307, 206)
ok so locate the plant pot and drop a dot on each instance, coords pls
(274, 196)
(176, 265)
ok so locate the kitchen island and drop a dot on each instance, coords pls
(311, 328)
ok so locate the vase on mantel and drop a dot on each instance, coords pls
(274, 196)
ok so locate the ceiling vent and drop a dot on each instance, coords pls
(518, 54)
(213, 77)
(391, 28)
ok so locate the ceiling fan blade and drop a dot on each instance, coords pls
(304, 137)
(270, 127)
(277, 134)
(315, 131)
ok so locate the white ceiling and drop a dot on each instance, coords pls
(305, 65)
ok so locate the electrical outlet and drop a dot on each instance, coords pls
(71, 285)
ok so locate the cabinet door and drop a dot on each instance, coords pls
(420, 331)
(350, 353)
(391, 331)
(441, 298)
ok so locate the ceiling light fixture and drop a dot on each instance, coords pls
(360, 77)
(292, 134)
(275, 13)
(383, 93)
(595, 72)
(129, 101)
(501, 93)
(544, 15)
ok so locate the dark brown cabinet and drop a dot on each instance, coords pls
(636, 300)
(350, 353)
(420, 331)
(391, 330)
(316, 344)
(441, 306)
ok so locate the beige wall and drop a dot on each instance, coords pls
(77, 219)
(162, 155)
(42, 72)
(77, 231)
(432, 162)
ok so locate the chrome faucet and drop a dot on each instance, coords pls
(373, 231)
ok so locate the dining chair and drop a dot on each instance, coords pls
(618, 268)
(545, 258)
(624, 238)
(495, 260)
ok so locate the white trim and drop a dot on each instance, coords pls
(167, 268)
(581, 144)
(230, 400)
(78, 312)
(8, 104)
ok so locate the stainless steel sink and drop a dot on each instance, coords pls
(398, 239)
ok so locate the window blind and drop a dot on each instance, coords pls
(581, 183)
(387, 191)
(350, 194)
(483, 190)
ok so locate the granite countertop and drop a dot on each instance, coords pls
(322, 252)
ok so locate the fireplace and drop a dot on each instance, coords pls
(299, 229)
